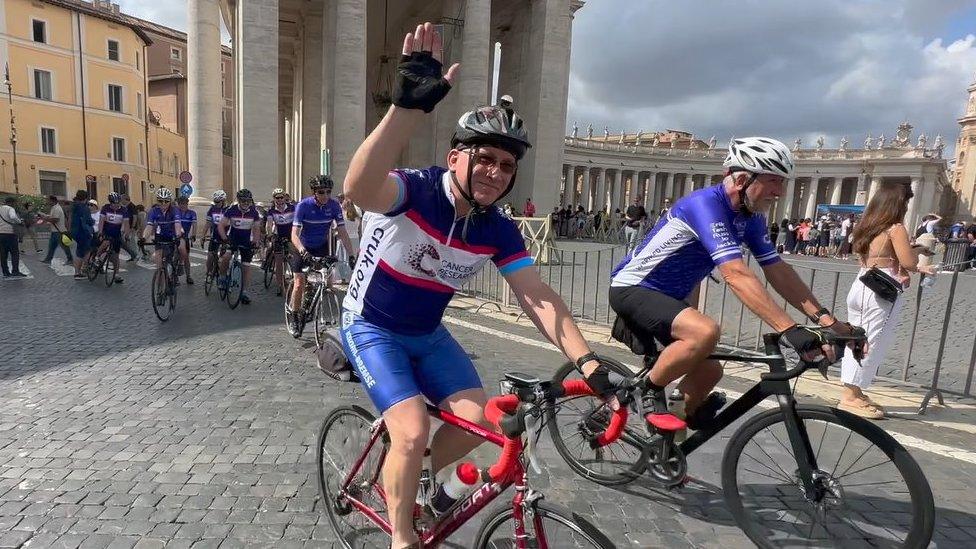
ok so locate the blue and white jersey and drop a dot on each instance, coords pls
(187, 218)
(412, 259)
(241, 221)
(316, 221)
(283, 220)
(114, 217)
(164, 222)
(700, 232)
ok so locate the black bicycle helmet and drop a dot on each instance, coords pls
(321, 182)
(244, 194)
(492, 126)
(114, 197)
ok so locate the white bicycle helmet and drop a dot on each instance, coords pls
(759, 155)
(164, 194)
(219, 196)
(275, 192)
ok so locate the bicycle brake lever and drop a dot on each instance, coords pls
(533, 428)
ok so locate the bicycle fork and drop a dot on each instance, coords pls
(806, 459)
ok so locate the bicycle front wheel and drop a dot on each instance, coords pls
(91, 268)
(111, 271)
(211, 277)
(268, 266)
(235, 284)
(326, 314)
(551, 527)
(577, 420)
(342, 440)
(159, 289)
(870, 490)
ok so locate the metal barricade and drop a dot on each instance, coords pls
(956, 255)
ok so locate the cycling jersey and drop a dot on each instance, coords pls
(283, 220)
(187, 218)
(700, 232)
(164, 222)
(240, 223)
(412, 259)
(214, 215)
(113, 220)
(316, 220)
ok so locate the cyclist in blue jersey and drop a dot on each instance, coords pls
(240, 228)
(653, 290)
(214, 214)
(113, 225)
(162, 222)
(188, 219)
(280, 219)
(426, 232)
(311, 230)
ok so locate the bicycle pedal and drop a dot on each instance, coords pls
(667, 423)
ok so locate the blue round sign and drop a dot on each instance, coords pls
(186, 189)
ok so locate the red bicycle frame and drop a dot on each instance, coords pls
(507, 471)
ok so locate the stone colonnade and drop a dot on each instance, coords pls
(605, 188)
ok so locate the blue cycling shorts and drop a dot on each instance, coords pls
(394, 367)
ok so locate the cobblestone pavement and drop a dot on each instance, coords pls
(117, 430)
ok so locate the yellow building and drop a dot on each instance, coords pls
(78, 85)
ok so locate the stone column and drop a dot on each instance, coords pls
(666, 190)
(650, 188)
(311, 99)
(585, 194)
(476, 48)
(861, 197)
(875, 183)
(600, 200)
(837, 187)
(812, 189)
(914, 210)
(256, 63)
(618, 190)
(569, 185)
(282, 140)
(785, 207)
(204, 103)
(349, 86)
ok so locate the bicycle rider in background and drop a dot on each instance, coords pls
(214, 214)
(281, 215)
(651, 288)
(163, 222)
(312, 227)
(188, 219)
(428, 231)
(240, 228)
(113, 225)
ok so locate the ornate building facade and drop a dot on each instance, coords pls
(964, 174)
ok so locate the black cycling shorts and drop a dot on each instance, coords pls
(214, 246)
(648, 314)
(246, 251)
(297, 263)
(115, 243)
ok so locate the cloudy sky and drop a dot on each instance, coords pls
(783, 68)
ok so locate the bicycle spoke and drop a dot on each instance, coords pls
(851, 466)
(783, 476)
(772, 459)
(865, 469)
(840, 456)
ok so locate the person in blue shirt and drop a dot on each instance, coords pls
(426, 232)
(281, 215)
(113, 225)
(163, 223)
(240, 228)
(188, 220)
(82, 227)
(311, 236)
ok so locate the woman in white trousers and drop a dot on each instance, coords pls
(881, 241)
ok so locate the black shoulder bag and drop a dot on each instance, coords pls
(881, 283)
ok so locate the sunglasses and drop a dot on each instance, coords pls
(323, 191)
(279, 197)
(164, 201)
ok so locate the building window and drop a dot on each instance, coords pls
(118, 149)
(139, 112)
(42, 84)
(175, 54)
(48, 141)
(55, 183)
(142, 154)
(114, 98)
(119, 186)
(138, 62)
(113, 50)
(39, 31)
(159, 160)
(176, 164)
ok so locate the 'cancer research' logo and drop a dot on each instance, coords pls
(424, 258)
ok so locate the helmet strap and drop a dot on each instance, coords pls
(743, 199)
(466, 194)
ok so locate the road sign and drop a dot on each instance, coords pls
(90, 179)
(125, 177)
(186, 177)
(186, 189)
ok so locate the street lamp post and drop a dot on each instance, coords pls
(13, 126)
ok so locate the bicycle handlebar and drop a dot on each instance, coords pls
(838, 341)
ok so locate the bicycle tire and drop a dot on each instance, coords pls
(91, 268)
(268, 267)
(333, 471)
(628, 466)
(288, 316)
(111, 271)
(211, 276)
(174, 283)
(327, 310)
(235, 283)
(579, 532)
(160, 278)
(922, 505)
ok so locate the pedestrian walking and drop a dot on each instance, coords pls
(9, 246)
(876, 299)
(529, 208)
(82, 228)
(773, 232)
(127, 237)
(846, 233)
(791, 227)
(634, 217)
(58, 221)
(30, 221)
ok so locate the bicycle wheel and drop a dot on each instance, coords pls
(174, 283)
(91, 268)
(575, 421)
(327, 310)
(268, 267)
(342, 439)
(111, 271)
(558, 526)
(235, 284)
(873, 492)
(159, 289)
(212, 273)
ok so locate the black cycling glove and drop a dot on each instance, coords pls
(605, 383)
(420, 82)
(802, 340)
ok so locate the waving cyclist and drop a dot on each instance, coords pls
(650, 289)
(426, 233)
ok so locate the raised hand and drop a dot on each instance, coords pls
(421, 83)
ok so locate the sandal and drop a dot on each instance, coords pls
(865, 410)
(874, 404)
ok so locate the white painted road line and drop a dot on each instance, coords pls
(908, 441)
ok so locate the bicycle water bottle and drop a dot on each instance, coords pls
(676, 405)
(461, 480)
